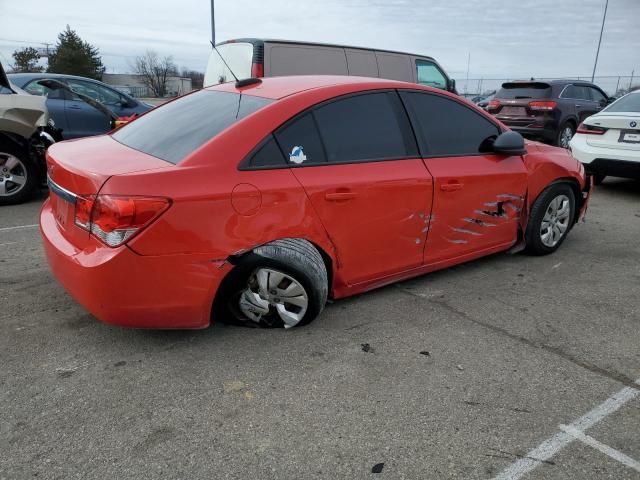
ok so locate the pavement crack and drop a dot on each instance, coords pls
(517, 455)
(618, 377)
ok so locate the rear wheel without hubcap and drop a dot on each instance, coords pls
(272, 293)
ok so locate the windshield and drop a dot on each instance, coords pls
(173, 131)
(524, 90)
(238, 57)
(628, 103)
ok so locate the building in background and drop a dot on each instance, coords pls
(133, 85)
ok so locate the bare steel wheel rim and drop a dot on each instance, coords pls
(13, 174)
(566, 136)
(555, 222)
(272, 293)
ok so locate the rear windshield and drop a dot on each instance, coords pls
(513, 91)
(628, 103)
(173, 131)
(238, 57)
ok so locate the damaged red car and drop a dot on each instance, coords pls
(257, 201)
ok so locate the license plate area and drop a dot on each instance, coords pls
(629, 136)
(519, 111)
(63, 204)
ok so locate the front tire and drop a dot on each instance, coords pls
(281, 284)
(551, 218)
(18, 175)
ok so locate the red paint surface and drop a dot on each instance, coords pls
(378, 222)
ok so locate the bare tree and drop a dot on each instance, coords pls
(155, 71)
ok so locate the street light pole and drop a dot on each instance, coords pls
(599, 41)
(213, 25)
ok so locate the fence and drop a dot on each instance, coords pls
(612, 85)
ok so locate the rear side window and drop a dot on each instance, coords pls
(365, 127)
(301, 142)
(173, 131)
(445, 127)
(267, 155)
(515, 90)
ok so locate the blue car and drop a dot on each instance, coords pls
(75, 117)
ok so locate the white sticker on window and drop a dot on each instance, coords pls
(297, 156)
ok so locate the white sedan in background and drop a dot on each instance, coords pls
(608, 143)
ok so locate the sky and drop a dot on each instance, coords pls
(504, 38)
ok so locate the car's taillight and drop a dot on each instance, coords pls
(257, 70)
(590, 129)
(114, 219)
(493, 105)
(542, 105)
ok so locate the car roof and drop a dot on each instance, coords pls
(279, 87)
(559, 81)
(25, 77)
(317, 44)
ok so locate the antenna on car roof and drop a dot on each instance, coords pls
(239, 83)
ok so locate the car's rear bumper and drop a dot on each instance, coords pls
(616, 162)
(120, 287)
(546, 134)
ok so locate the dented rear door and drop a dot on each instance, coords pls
(478, 195)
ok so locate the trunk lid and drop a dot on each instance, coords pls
(80, 168)
(620, 134)
(512, 103)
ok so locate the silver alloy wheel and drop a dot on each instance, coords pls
(555, 222)
(271, 292)
(566, 136)
(13, 174)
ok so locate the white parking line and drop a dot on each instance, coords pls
(18, 227)
(606, 449)
(557, 442)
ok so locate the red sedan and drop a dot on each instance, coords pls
(259, 200)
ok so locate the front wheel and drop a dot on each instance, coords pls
(280, 284)
(551, 218)
(18, 178)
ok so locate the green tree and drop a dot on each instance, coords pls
(74, 56)
(26, 60)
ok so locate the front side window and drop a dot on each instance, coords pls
(97, 92)
(597, 95)
(445, 127)
(430, 75)
(173, 131)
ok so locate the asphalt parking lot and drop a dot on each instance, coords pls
(507, 367)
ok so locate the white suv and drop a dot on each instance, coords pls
(608, 143)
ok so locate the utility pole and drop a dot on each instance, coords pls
(213, 24)
(599, 41)
(631, 79)
(466, 83)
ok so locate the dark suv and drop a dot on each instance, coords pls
(549, 111)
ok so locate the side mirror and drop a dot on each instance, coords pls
(452, 85)
(509, 143)
(127, 103)
(610, 100)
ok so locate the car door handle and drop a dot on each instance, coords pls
(339, 196)
(75, 107)
(578, 106)
(451, 187)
